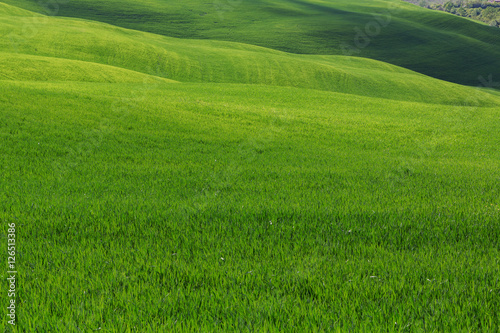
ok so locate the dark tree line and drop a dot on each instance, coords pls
(482, 10)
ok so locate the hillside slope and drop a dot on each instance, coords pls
(204, 61)
(140, 208)
(21, 67)
(261, 191)
(432, 43)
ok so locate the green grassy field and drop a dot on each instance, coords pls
(161, 184)
(430, 42)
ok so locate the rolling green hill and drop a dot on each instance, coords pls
(433, 43)
(210, 61)
(162, 184)
(21, 67)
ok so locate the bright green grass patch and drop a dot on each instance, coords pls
(20, 67)
(178, 207)
(9, 10)
(433, 43)
(239, 200)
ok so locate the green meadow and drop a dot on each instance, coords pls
(208, 184)
(434, 43)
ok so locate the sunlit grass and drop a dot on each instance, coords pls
(235, 207)
(260, 191)
(431, 42)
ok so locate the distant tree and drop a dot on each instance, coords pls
(449, 6)
(473, 12)
(481, 10)
(462, 12)
(489, 13)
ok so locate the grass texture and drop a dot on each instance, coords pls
(434, 43)
(162, 184)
